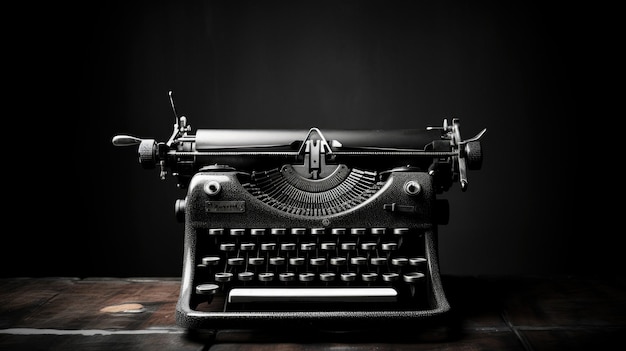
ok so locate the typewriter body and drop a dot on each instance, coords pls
(310, 226)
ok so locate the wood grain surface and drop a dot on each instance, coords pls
(489, 313)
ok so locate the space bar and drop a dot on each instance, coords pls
(364, 294)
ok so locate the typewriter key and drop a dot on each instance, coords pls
(400, 231)
(277, 261)
(237, 232)
(256, 261)
(307, 246)
(306, 277)
(368, 246)
(338, 231)
(389, 246)
(247, 246)
(369, 276)
(348, 276)
(268, 247)
(298, 231)
(413, 277)
(210, 260)
(417, 261)
(257, 232)
(227, 247)
(216, 231)
(378, 261)
(223, 277)
(286, 276)
(296, 261)
(207, 289)
(348, 246)
(278, 231)
(399, 261)
(378, 231)
(245, 276)
(266, 276)
(358, 260)
(318, 231)
(390, 277)
(317, 261)
(288, 246)
(357, 231)
(338, 261)
(327, 276)
(328, 246)
(236, 261)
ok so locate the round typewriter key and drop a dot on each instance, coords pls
(327, 276)
(378, 231)
(348, 246)
(389, 246)
(307, 246)
(317, 261)
(256, 261)
(288, 246)
(266, 276)
(227, 247)
(417, 261)
(338, 261)
(277, 261)
(286, 277)
(413, 277)
(216, 231)
(223, 277)
(298, 231)
(237, 232)
(338, 231)
(207, 289)
(358, 261)
(369, 276)
(306, 277)
(210, 260)
(268, 247)
(247, 246)
(357, 231)
(348, 276)
(245, 276)
(236, 261)
(399, 261)
(378, 261)
(257, 232)
(400, 231)
(278, 231)
(328, 246)
(390, 277)
(318, 231)
(296, 261)
(368, 246)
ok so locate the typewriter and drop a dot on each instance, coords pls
(314, 226)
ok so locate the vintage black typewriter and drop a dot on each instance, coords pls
(318, 226)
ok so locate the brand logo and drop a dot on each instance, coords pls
(226, 206)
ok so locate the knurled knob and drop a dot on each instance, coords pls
(473, 155)
(147, 153)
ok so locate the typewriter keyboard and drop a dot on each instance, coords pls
(249, 265)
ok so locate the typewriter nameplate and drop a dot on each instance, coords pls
(225, 206)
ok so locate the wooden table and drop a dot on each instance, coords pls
(489, 313)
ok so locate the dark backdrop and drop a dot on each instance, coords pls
(533, 74)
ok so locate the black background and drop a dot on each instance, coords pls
(538, 76)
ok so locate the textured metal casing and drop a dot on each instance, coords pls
(257, 214)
